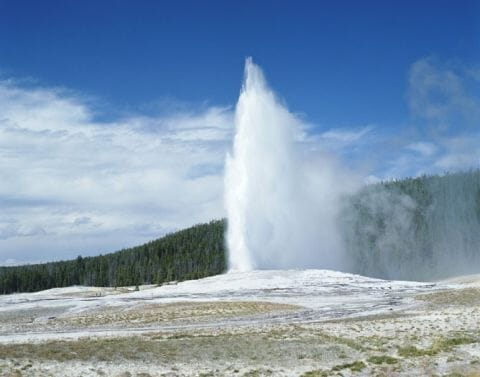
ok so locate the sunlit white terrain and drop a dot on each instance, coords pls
(319, 295)
(266, 322)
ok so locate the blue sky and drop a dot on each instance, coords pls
(115, 116)
(322, 57)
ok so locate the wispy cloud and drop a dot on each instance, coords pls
(444, 132)
(345, 136)
(438, 93)
(424, 149)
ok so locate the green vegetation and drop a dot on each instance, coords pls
(458, 297)
(384, 359)
(156, 314)
(356, 366)
(224, 348)
(258, 373)
(315, 373)
(439, 345)
(412, 351)
(192, 253)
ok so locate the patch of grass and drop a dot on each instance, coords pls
(83, 349)
(345, 341)
(27, 366)
(449, 343)
(258, 373)
(125, 374)
(439, 345)
(315, 373)
(412, 351)
(369, 318)
(356, 366)
(383, 359)
(227, 348)
(151, 314)
(460, 297)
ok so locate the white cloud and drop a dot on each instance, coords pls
(348, 144)
(438, 93)
(423, 148)
(445, 117)
(474, 73)
(461, 152)
(68, 183)
(345, 136)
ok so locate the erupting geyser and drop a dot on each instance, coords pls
(291, 207)
(281, 210)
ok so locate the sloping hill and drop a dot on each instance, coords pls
(421, 228)
(191, 253)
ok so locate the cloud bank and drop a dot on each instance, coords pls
(72, 185)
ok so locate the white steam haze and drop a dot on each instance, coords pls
(282, 205)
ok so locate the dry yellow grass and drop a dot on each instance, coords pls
(458, 297)
(152, 314)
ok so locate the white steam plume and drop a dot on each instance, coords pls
(281, 207)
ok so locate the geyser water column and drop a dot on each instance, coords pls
(281, 212)
(258, 183)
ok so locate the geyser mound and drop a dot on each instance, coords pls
(282, 203)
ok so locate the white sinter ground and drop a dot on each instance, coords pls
(260, 323)
(322, 295)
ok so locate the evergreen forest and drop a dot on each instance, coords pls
(191, 253)
(421, 228)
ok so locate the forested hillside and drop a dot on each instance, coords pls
(192, 253)
(421, 228)
(416, 229)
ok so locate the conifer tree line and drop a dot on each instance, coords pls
(191, 253)
(420, 228)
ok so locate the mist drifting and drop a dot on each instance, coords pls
(282, 210)
(287, 208)
(415, 229)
